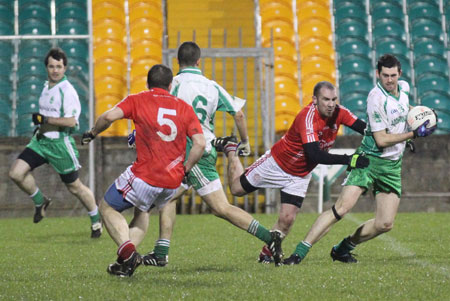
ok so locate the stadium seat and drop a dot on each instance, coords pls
(385, 28)
(31, 67)
(314, 27)
(353, 84)
(443, 122)
(387, 10)
(426, 28)
(319, 47)
(392, 46)
(110, 67)
(431, 64)
(34, 11)
(24, 126)
(6, 50)
(5, 127)
(432, 83)
(279, 30)
(31, 85)
(308, 83)
(75, 48)
(110, 86)
(34, 27)
(277, 11)
(286, 105)
(351, 28)
(144, 30)
(356, 64)
(353, 46)
(140, 68)
(428, 46)
(44, 3)
(72, 27)
(283, 66)
(419, 10)
(317, 64)
(78, 68)
(5, 89)
(27, 105)
(312, 10)
(108, 29)
(357, 97)
(283, 48)
(5, 69)
(105, 103)
(406, 69)
(283, 122)
(353, 11)
(33, 49)
(138, 84)
(285, 86)
(436, 101)
(70, 10)
(6, 21)
(108, 10)
(110, 49)
(147, 49)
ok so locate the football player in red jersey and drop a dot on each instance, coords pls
(288, 164)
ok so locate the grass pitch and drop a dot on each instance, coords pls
(212, 260)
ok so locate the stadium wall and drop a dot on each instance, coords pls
(426, 174)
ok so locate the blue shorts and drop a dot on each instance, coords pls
(114, 198)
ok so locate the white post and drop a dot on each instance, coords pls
(91, 97)
(322, 175)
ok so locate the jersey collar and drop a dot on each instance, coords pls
(193, 70)
(61, 80)
(389, 94)
(159, 90)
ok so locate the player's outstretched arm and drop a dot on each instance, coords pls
(241, 124)
(359, 126)
(317, 156)
(103, 122)
(196, 152)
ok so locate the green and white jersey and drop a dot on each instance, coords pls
(385, 111)
(206, 97)
(61, 100)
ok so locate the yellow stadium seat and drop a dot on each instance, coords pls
(285, 104)
(314, 28)
(110, 86)
(156, 4)
(317, 65)
(312, 9)
(105, 103)
(121, 128)
(119, 3)
(107, 10)
(109, 29)
(110, 49)
(145, 30)
(283, 121)
(263, 3)
(277, 11)
(285, 49)
(140, 68)
(145, 10)
(305, 3)
(138, 84)
(110, 67)
(286, 67)
(147, 49)
(286, 86)
(319, 47)
(311, 80)
(279, 29)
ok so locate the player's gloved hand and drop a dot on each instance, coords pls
(87, 137)
(39, 119)
(185, 180)
(243, 148)
(423, 131)
(132, 139)
(358, 161)
(410, 145)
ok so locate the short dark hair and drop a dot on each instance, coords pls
(159, 76)
(57, 54)
(388, 61)
(320, 85)
(188, 54)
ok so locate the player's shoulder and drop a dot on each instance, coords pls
(376, 95)
(404, 86)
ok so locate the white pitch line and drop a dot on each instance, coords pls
(405, 252)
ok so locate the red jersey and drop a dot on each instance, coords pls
(309, 127)
(162, 123)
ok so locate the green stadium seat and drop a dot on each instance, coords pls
(71, 26)
(385, 28)
(30, 86)
(5, 89)
(355, 102)
(351, 47)
(356, 64)
(387, 11)
(354, 84)
(432, 83)
(428, 46)
(34, 27)
(31, 67)
(34, 11)
(5, 69)
(27, 105)
(351, 29)
(431, 64)
(427, 10)
(353, 11)
(71, 10)
(6, 28)
(6, 50)
(75, 48)
(33, 49)
(436, 101)
(443, 122)
(24, 126)
(375, 4)
(426, 28)
(24, 3)
(6, 13)
(82, 3)
(78, 68)
(5, 127)
(392, 46)
(447, 16)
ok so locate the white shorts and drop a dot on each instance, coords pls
(266, 173)
(141, 194)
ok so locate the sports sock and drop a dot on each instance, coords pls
(37, 197)
(162, 247)
(302, 249)
(94, 215)
(230, 147)
(125, 251)
(344, 246)
(259, 231)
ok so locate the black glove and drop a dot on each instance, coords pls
(87, 137)
(411, 146)
(185, 180)
(39, 119)
(358, 161)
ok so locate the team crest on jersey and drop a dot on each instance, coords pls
(52, 100)
(376, 117)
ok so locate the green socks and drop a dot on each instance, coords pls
(94, 215)
(162, 247)
(259, 231)
(37, 197)
(302, 249)
(344, 246)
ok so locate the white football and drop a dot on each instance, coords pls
(418, 115)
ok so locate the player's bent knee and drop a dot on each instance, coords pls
(384, 227)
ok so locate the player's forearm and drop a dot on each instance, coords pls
(241, 124)
(196, 152)
(101, 125)
(383, 139)
(62, 121)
